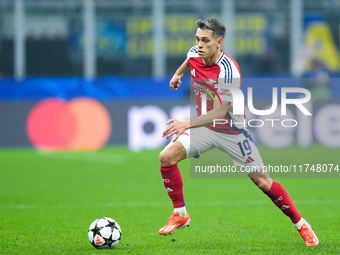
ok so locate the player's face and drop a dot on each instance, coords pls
(208, 46)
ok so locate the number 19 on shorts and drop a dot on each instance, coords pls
(244, 147)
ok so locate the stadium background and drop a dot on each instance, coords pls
(123, 53)
(90, 79)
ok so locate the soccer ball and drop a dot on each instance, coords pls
(104, 233)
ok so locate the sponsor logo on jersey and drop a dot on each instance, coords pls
(211, 81)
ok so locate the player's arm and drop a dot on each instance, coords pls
(178, 127)
(175, 81)
(218, 112)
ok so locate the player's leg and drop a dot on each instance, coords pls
(173, 183)
(249, 157)
(172, 178)
(281, 198)
(173, 153)
(243, 152)
(277, 193)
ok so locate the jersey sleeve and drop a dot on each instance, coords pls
(230, 76)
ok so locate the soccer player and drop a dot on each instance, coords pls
(213, 70)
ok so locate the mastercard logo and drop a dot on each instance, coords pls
(80, 124)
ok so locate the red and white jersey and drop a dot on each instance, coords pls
(225, 71)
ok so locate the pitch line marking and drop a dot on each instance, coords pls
(159, 204)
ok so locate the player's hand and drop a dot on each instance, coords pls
(175, 82)
(176, 128)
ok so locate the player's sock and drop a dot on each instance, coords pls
(173, 184)
(282, 200)
(181, 211)
(299, 224)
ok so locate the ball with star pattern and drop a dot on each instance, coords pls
(104, 233)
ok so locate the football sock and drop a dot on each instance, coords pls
(173, 183)
(181, 211)
(282, 200)
(299, 224)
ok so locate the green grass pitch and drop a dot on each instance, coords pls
(48, 200)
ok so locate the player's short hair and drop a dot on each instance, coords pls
(217, 28)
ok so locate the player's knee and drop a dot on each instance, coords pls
(166, 159)
(264, 184)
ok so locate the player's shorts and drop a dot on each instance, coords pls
(241, 148)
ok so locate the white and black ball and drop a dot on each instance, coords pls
(104, 233)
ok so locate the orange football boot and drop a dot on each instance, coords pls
(175, 221)
(308, 235)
